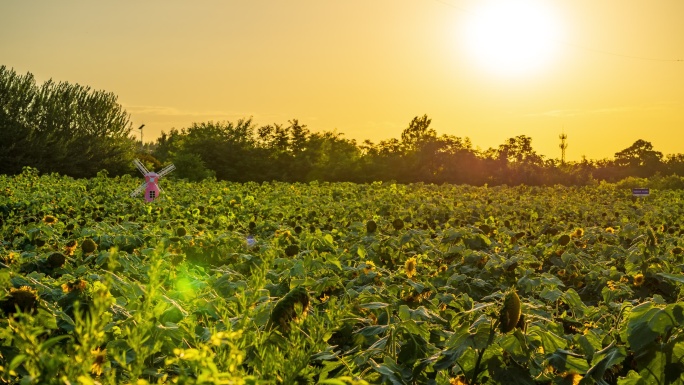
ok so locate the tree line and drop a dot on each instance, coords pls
(76, 131)
(61, 127)
(243, 151)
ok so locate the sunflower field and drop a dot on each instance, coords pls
(338, 283)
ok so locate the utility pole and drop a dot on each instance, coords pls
(563, 146)
(142, 144)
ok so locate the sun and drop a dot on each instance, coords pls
(511, 37)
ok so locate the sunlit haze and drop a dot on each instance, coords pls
(606, 73)
(512, 38)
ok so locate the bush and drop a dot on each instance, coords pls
(191, 167)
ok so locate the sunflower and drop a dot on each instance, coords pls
(457, 381)
(579, 232)
(410, 267)
(610, 230)
(25, 298)
(56, 260)
(294, 306)
(49, 220)
(99, 361)
(88, 246)
(564, 239)
(398, 224)
(369, 266)
(10, 257)
(638, 279)
(611, 285)
(70, 247)
(572, 379)
(78, 285)
(181, 231)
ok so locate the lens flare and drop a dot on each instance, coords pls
(184, 286)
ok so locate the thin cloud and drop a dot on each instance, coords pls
(174, 116)
(579, 112)
(174, 112)
(603, 111)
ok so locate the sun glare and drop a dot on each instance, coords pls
(511, 37)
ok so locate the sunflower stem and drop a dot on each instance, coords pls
(476, 371)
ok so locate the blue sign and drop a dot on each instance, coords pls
(640, 192)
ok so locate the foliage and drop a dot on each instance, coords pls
(190, 166)
(242, 152)
(61, 127)
(75, 131)
(338, 283)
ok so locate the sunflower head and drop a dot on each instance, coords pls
(24, 298)
(70, 247)
(578, 233)
(639, 279)
(181, 231)
(510, 312)
(88, 246)
(398, 224)
(571, 378)
(291, 250)
(77, 286)
(368, 267)
(294, 306)
(99, 359)
(564, 239)
(10, 257)
(49, 220)
(410, 267)
(56, 260)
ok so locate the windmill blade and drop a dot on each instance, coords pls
(140, 189)
(166, 170)
(140, 166)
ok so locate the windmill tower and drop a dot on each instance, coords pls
(151, 184)
(563, 145)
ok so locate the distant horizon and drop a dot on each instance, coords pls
(488, 70)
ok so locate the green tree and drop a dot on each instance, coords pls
(640, 158)
(226, 148)
(675, 164)
(335, 158)
(519, 150)
(61, 127)
(418, 132)
(191, 167)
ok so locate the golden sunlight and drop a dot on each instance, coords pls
(511, 38)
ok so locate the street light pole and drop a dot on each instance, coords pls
(142, 144)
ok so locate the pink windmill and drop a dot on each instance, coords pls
(151, 184)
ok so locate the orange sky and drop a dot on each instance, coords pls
(365, 68)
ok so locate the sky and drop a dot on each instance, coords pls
(606, 73)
